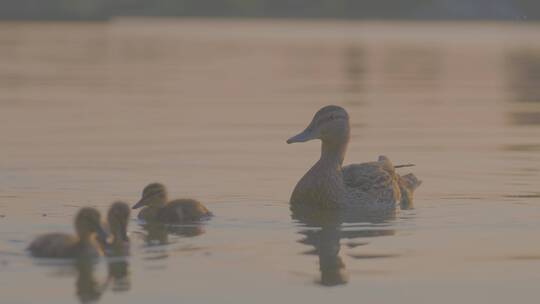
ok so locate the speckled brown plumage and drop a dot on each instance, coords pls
(158, 209)
(373, 185)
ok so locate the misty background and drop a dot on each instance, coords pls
(341, 9)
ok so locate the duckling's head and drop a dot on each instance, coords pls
(410, 181)
(87, 222)
(118, 219)
(154, 194)
(407, 185)
(330, 124)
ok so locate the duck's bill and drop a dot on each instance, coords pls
(139, 204)
(302, 137)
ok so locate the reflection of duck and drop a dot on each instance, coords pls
(157, 209)
(373, 185)
(119, 274)
(327, 246)
(323, 232)
(60, 245)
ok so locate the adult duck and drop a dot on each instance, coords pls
(157, 208)
(61, 245)
(373, 185)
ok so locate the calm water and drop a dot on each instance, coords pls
(91, 113)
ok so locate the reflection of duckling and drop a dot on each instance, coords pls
(89, 289)
(157, 209)
(372, 185)
(119, 274)
(118, 219)
(158, 233)
(60, 245)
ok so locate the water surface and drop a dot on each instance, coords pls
(91, 113)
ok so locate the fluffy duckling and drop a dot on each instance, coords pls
(372, 185)
(407, 184)
(117, 219)
(157, 209)
(84, 244)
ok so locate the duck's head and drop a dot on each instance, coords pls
(118, 219)
(154, 194)
(330, 124)
(87, 222)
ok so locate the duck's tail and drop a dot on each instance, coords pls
(404, 166)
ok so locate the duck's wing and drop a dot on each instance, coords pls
(195, 210)
(183, 210)
(368, 177)
(371, 176)
(373, 184)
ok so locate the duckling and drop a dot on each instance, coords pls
(372, 185)
(84, 244)
(157, 209)
(117, 219)
(407, 184)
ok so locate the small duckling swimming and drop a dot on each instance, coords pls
(117, 219)
(372, 185)
(61, 245)
(407, 184)
(157, 209)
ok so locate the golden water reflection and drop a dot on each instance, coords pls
(90, 287)
(324, 230)
(158, 233)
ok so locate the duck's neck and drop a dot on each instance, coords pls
(333, 152)
(323, 184)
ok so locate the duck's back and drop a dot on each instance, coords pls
(55, 245)
(372, 183)
(183, 210)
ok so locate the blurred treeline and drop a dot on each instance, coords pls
(349, 9)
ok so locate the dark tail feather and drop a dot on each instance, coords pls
(404, 166)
